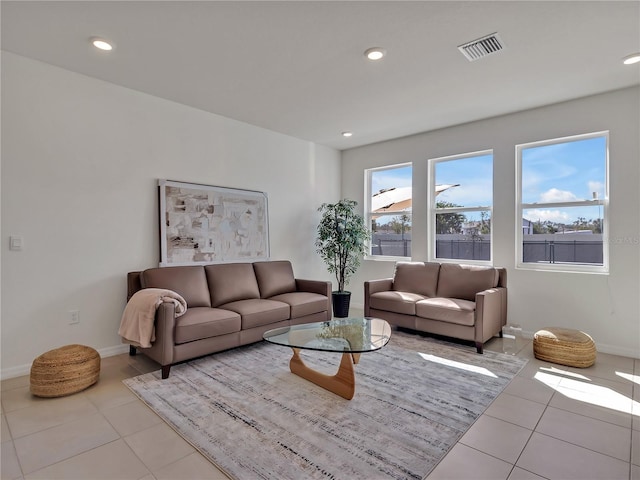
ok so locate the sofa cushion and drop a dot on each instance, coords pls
(398, 302)
(188, 281)
(204, 322)
(464, 281)
(416, 277)
(229, 282)
(303, 303)
(256, 312)
(274, 277)
(452, 310)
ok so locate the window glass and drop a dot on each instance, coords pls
(563, 200)
(564, 172)
(389, 206)
(461, 206)
(465, 182)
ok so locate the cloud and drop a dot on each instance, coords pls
(556, 216)
(555, 195)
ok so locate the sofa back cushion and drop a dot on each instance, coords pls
(274, 277)
(188, 281)
(464, 281)
(416, 277)
(229, 282)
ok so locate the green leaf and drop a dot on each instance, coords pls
(342, 239)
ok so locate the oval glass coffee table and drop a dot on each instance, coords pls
(349, 336)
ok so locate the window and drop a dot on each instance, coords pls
(562, 204)
(461, 199)
(388, 209)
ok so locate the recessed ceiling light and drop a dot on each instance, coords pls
(347, 134)
(375, 53)
(631, 59)
(101, 43)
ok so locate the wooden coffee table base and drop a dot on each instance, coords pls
(343, 383)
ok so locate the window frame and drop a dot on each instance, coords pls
(432, 211)
(604, 203)
(368, 195)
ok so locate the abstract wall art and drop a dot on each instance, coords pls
(202, 224)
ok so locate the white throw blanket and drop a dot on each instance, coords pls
(137, 324)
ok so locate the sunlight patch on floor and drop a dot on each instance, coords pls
(588, 392)
(628, 376)
(567, 373)
(460, 365)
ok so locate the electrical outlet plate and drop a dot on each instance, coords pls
(74, 317)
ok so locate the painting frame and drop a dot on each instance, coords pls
(204, 224)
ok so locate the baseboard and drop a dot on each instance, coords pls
(613, 350)
(13, 372)
(21, 370)
(115, 350)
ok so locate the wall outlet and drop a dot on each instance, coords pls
(74, 317)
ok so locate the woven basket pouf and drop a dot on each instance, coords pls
(564, 346)
(64, 371)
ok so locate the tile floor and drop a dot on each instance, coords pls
(551, 422)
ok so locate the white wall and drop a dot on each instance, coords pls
(80, 163)
(605, 306)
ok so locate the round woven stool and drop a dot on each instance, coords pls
(64, 371)
(565, 346)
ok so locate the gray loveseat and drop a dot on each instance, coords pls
(228, 305)
(460, 301)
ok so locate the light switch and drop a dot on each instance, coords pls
(15, 243)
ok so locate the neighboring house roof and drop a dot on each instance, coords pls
(398, 199)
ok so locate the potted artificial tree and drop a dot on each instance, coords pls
(342, 243)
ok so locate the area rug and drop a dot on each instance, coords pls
(245, 411)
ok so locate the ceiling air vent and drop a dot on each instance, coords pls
(482, 47)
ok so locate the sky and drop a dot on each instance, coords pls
(555, 173)
(390, 178)
(564, 172)
(475, 176)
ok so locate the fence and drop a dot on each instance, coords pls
(391, 245)
(565, 251)
(549, 249)
(465, 249)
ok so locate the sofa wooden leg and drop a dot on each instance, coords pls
(479, 347)
(165, 371)
(132, 350)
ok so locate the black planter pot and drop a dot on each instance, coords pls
(340, 303)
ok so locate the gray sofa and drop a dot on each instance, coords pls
(228, 305)
(460, 301)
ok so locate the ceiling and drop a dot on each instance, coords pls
(298, 67)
